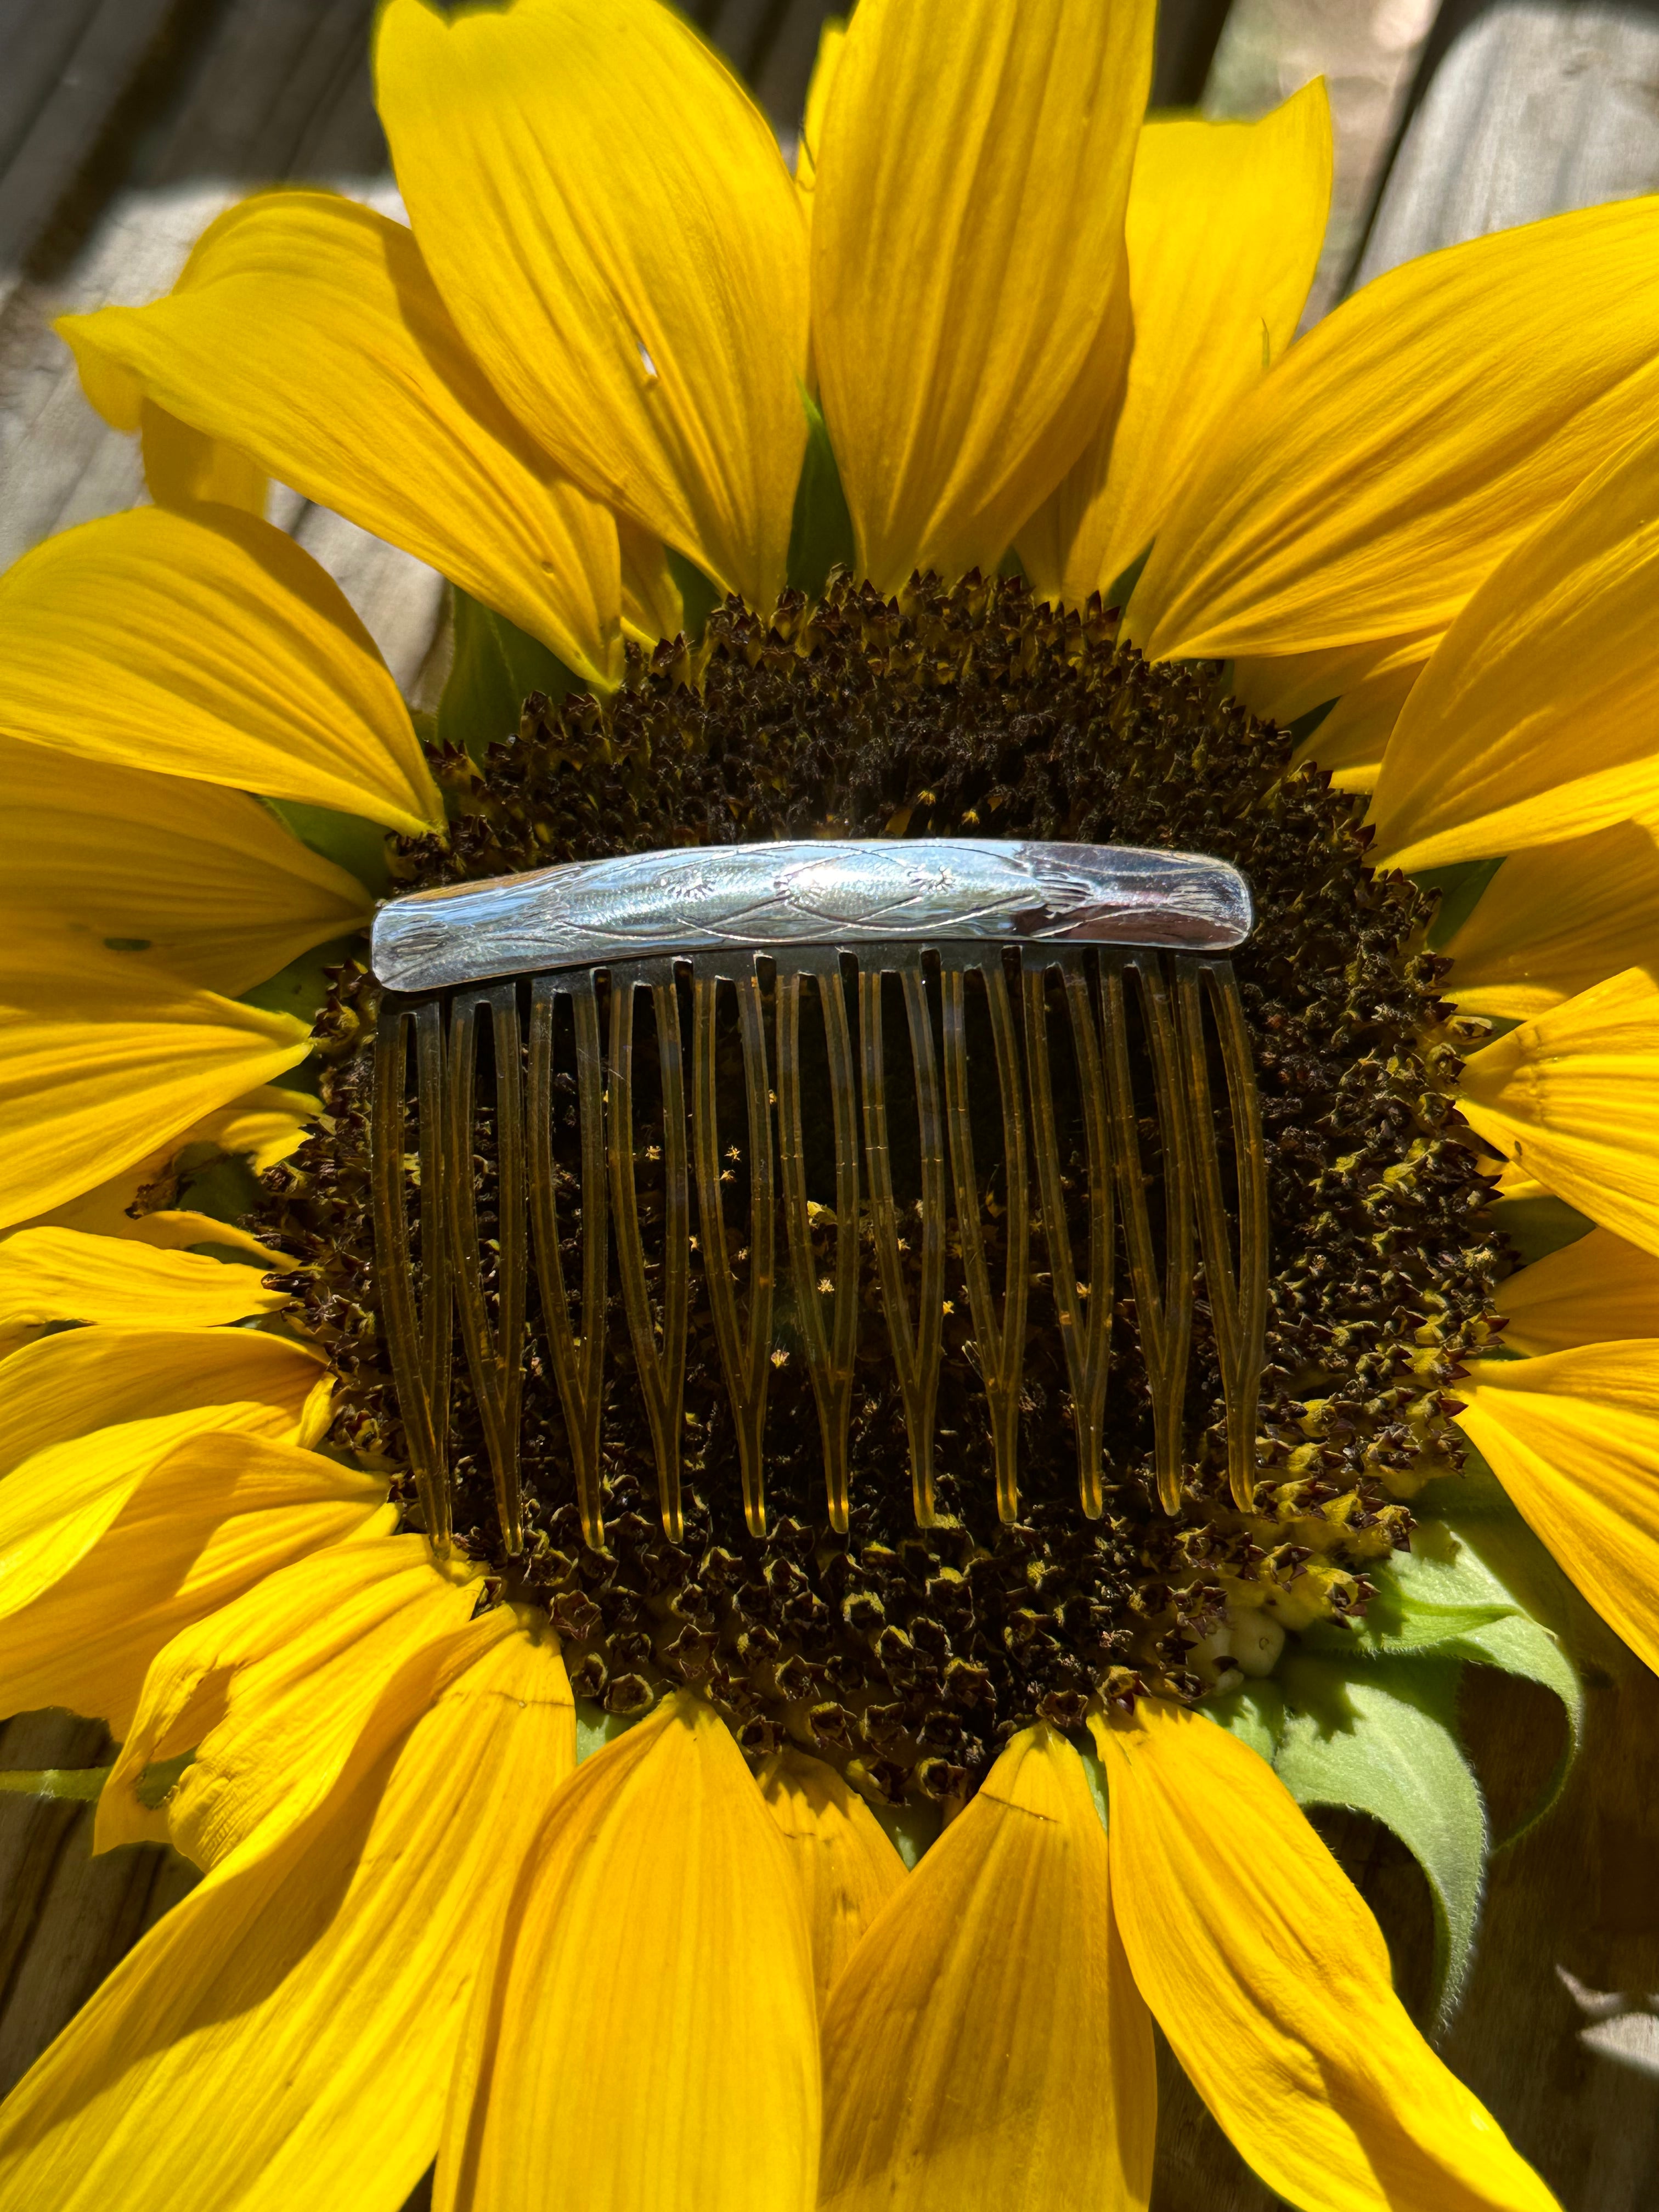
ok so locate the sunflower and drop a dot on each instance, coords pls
(775, 1871)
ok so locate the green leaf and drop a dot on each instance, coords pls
(1379, 1736)
(821, 533)
(595, 1727)
(494, 670)
(1254, 1713)
(75, 1784)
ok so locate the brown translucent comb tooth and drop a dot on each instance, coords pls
(915, 1347)
(419, 1340)
(1164, 1306)
(495, 1355)
(660, 1374)
(1001, 1339)
(578, 1362)
(829, 1353)
(1086, 1321)
(1235, 1271)
(744, 1343)
(1160, 1010)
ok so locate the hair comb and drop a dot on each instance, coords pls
(799, 1082)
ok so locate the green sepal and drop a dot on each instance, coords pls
(1519, 1646)
(595, 1727)
(79, 1785)
(1550, 1619)
(911, 1829)
(1379, 1736)
(699, 594)
(1254, 1713)
(1460, 885)
(160, 1778)
(1446, 1599)
(494, 670)
(1538, 1226)
(361, 848)
(1428, 1596)
(821, 532)
(1121, 590)
(301, 987)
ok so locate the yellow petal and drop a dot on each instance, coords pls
(294, 293)
(656, 1953)
(1270, 1978)
(970, 286)
(843, 1859)
(1574, 1439)
(832, 37)
(102, 1063)
(218, 651)
(195, 878)
(1225, 225)
(611, 223)
(202, 1521)
(185, 468)
(281, 1689)
(264, 1127)
(1573, 1098)
(1534, 720)
(1556, 919)
(80, 1380)
(1593, 1291)
(290, 2026)
(170, 1229)
(1350, 741)
(102, 1211)
(62, 1274)
(1400, 450)
(986, 2046)
(57, 1503)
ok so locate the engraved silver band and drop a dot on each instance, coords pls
(833, 891)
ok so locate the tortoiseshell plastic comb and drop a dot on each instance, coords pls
(889, 1011)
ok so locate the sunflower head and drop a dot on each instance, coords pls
(907, 1645)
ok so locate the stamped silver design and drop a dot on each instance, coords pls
(841, 892)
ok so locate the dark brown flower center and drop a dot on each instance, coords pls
(906, 1653)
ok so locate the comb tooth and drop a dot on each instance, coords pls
(660, 1375)
(1085, 1323)
(1001, 1345)
(745, 1353)
(916, 1351)
(494, 1358)
(1238, 1293)
(1163, 1311)
(419, 1343)
(828, 1354)
(578, 1363)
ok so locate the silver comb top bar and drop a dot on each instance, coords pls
(840, 891)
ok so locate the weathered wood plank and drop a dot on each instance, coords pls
(1532, 110)
(1365, 50)
(66, 1918)
(90, 81)
(279, 90)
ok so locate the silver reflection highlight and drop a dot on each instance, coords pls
(843, 891)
